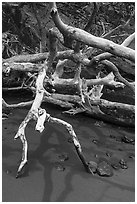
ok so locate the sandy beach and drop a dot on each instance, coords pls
(54, 172)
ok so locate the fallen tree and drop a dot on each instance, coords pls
(76, 94)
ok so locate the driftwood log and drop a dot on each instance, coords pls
(76, 94)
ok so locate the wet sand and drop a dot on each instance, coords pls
(49, 179)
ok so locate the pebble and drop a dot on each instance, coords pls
(59, 167)
(63, 157)
(132, 156)
(104, 169)
(124, 167)
(123, 164)
(96, 156)
(109, 154)
(128, 139)
(95, 141)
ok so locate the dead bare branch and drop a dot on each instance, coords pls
(118, 75)
(107, 55)
(11, 106)
(83, 36)
(27, 58)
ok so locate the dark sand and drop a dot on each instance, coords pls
(43, 181)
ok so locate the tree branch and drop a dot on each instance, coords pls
(33, 113)
(27, 58)
(118, 75)
(107, 55)
(83, 36)
(11, 106)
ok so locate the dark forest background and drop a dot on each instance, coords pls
(24, 24)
